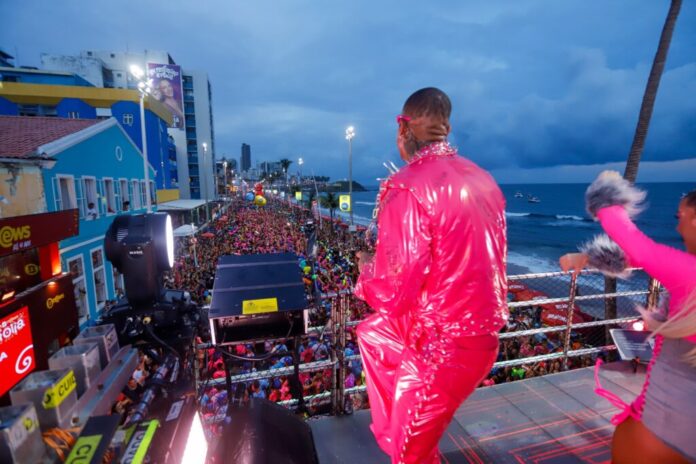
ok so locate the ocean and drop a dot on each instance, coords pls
(539, 233)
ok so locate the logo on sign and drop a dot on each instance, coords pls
(31, 269)
(50, 302)
(9, 235)
(16, 348)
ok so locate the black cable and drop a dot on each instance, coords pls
(160, 341)
(262, 358)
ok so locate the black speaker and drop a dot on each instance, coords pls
(264, 433)
(256, 297)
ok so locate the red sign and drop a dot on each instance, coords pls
(16, 349)
(23, 232)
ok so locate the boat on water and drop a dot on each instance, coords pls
(533, 199)
(519, 194)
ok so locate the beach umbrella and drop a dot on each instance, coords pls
(529, 294)
(556, 314)
(516, 287)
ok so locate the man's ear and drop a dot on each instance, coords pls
(403, 130)
(449, 128)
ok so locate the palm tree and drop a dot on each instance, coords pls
(330, 202)
(285, 164)
(641, 132)
(651, 87)
(311, 196)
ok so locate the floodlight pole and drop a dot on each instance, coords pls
(148, 203)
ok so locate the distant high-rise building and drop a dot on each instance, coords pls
(246, 157)
(193, 125)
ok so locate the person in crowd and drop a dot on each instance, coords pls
(434, 338)
(92, 212)
(658, 426)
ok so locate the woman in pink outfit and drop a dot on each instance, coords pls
(660, 425)
(437, 281)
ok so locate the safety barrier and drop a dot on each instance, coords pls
(560, 309)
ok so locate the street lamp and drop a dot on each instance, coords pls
(144, 88)
(300, 162)
(201, 174)
(224, 170)
(350, 133)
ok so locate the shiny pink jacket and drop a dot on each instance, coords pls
(441, 246)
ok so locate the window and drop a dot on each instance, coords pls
(127, 119)
(91, 200)
(73, 115)
(153, 192)
(118, 74)
(110, 194)
(99, 276)
(64, 192)
(77, 270)
(143, 193)
(136, 196)
(103, 113)
(125, 196)
(113, 55)
(119, 287)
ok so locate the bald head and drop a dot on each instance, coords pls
(429, 101)
(428, 110)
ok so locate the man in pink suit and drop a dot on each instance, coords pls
(437, 282)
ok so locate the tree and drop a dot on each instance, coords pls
(646, 108)
(650, 93)
(285, 164)
(330, 202)
(311, 196)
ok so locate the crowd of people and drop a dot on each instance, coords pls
(278, 227)
(274, 228)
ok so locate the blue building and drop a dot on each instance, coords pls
(96, 168)
(26, 92)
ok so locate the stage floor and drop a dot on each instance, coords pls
(552, 419)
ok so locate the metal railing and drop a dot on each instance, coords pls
(335, 331)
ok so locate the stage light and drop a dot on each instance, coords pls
(141, 247)
(169, 234)
(196, 445)
(639, 326)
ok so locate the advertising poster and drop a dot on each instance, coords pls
(167, 88)
(16, 349)
(344, 202)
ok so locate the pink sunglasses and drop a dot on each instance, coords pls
(402, 117)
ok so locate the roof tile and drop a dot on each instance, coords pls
(20, 136)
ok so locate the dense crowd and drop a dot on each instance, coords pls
(278, 227)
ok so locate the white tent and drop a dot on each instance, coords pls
(185, 230)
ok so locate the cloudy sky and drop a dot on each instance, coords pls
(543, 90)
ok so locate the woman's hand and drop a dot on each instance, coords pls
(573, 261)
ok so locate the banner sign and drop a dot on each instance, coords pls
(16, 349)
(24, 232)
(344, 202)
(167, 89)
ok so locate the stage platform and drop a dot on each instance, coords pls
(552, 419)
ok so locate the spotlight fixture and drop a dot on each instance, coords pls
(141, 247)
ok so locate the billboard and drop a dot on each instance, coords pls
(167, 88)
(16, 349)
(344, 202)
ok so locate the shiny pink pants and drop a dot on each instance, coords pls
(416, 380)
